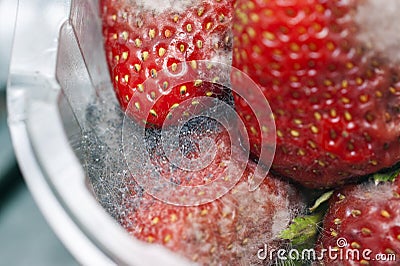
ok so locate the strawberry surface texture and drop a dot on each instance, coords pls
(335, 98)
(142, 39)
(227, 231)
(363, 221)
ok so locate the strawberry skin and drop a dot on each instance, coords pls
(228, 230)
(140, 42)
(336, 100)
(368, 217)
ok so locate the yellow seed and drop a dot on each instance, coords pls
(337, 221)
(200, 11)
(314, 129)
(161, 51)
(193, 64)
(150, 239)
(114, 17)
(312, 46)
(330, 46)
(294, 47)
(173, 217)
(189, 27)
(389, 251)
(137, 67)
(167, 33)
(126, 78)
(208, 25)
(355, 245)
(209, 93)
(364, 98)
(125, 55)
(138, 43)
(115, 36)
(268, 35)
(333, 113)
(254, 17)
(373, 162)
(155, 221)
(167, 238)
(312, 144)
(253, 130)
(116, 78)
(349, 65)
(365, 231)
(264, 129)
(251, 32)
(125, 35)
(295, 133)
(174, 67)
(297, 121)
(204, 212)
(334, 233)
(153, 73)
(152, 33)
(145, 55)
(199, 44)
(279, 133)
(213, 249)
(182, 48)
(359, 81)
(175, 105)
(301, 152)
(364, 262)
(328, 82)
(198, 82)
(317, 116)
(345, 100)
(165, 85)
(153, 113)
(117, 58)
(183, 89)
(347, 116)
(140, 88)
(355, 213)
(385, 213)
(176, 18)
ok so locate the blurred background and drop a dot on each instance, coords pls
(25, 237)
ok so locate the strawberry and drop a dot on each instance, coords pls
(334, 92)
(363, 218)
(228, 230)
(143, 38)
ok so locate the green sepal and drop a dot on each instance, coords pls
(302, 229)
(323, 198)
(386, 176)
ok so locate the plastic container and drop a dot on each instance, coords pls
(57, 66)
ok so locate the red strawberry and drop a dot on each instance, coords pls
(142, 39)
(366, 219)
(228, 230)
(334, 92)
